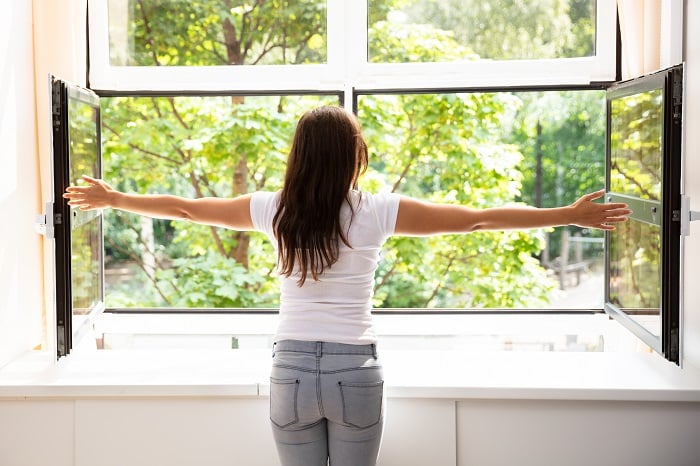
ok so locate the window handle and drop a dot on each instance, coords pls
(687, 215)
(45, 223)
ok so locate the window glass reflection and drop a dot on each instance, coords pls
(636, 145)
(635, 271)
(86, 231)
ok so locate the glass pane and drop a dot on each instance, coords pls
(194, 147)
(483, 150)
(216, 32)
(636, 145)
(459, 30)
(479, 149)
(635, 272)
(86, 231)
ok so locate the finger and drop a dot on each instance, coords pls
(616, 219)
(603, 226)
(594, 195)
(76, 189)
(617, 212)
(616, 205)
(73, 193)
(90, 179)
(83, 206)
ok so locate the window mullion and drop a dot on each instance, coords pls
(350, 17)
(605, 36)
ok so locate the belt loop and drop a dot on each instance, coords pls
(374, 350)
(273, 348)
(319, 349)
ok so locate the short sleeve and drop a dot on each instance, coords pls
(263, 206)
(386, 206)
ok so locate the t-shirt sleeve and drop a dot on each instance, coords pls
(386, 206)
(263, 206)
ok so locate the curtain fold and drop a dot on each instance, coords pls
(640, 30)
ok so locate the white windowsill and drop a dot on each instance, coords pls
(409, 374)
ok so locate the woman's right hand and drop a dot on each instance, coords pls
(96, 195)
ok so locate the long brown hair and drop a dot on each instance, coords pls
(327, 157)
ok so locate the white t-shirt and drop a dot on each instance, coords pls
(338, 306)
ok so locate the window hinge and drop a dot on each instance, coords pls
(45, 223)
(686, 215)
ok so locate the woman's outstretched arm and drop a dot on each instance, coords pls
(418, 218)
(97, 194)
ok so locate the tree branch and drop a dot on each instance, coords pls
(149, 33)
(140, 149)
(439, 286)
(171, 100)
(385, 278)
(139, 263)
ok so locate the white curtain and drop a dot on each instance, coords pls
(640, 30)
(652, 35)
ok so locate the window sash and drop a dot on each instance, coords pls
(347, 67)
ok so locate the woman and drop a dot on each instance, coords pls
(326, 384)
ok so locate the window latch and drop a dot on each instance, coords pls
(687, 215)
(45, 223)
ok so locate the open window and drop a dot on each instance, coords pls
(164, 74)
(79, 291)
(644, 130)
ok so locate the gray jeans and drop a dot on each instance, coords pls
(326, 403)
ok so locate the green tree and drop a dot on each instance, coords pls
(196, 147)
(204, 147)
(225, 32)
(562, 137)
(446, 147)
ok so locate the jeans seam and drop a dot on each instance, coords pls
(350, 369)
(319, 398)
(296, 368)
(328, 353)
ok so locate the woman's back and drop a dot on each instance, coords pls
(337, 306)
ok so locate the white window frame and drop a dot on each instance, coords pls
(347, 67)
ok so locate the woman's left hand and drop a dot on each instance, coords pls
(589, 214)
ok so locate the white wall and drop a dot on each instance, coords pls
(21, 272)
(418, 432)
(691, 107)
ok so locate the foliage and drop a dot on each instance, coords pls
(226, 32)
(195, 146)
(495, 29)
(566, 132)
(226, 283)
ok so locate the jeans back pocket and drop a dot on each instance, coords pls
(283, 401)
(362, 403)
